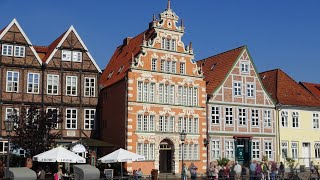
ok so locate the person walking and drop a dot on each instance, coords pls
(193, 171)
(237, 169)
(253, 167)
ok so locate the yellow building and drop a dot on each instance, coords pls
(297, 112)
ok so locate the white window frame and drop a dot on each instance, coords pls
(267, 118)
(54, 78)
(71, 120)
(229, 149)
(52, 108)
(33, 83)
(89, 121)
(215, 149)
(284, 119)
(182, 68)
(74, 56)
(255, 117)
(72, 78)
(154, 64)
(237, 88)
(13, 83)
(147, 150)
(163, 65)
(173, 66)
(4, 148)
(242, 116)
(244, 67)
(19, 51)
(6, 52)
(294, 149)
(215, 115)
(317, 150)
(255, 149)
(229, 115)
(89, 88)
(284, 149)
(295, 119)
(250, 90)
(315, 120)
(268, 149)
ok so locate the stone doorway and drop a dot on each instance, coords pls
(166, 156)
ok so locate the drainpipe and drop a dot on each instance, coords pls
(277, 108)
(207, 133)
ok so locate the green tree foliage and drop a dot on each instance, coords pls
(35, 130)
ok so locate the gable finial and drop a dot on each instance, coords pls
(169, 5)
(182, 23)
(190, 45)
(154, 17)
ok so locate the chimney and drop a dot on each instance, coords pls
(126, 40)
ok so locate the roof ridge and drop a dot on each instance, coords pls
(270, 70)
(224, 52)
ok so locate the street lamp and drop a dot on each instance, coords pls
(8, 124)
(182, 139)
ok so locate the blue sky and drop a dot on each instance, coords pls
(279, 34)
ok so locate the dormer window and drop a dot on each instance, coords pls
(75, 56)
(120, 69)
(169, 44)
(7, 50)
(244, 67)
(110, 74)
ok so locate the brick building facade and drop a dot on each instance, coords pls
(241, 115)
(152, 91)
(60, 76)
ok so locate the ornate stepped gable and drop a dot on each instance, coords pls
(284, 90)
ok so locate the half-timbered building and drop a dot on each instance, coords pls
(152, 91)
(240, 113)
(61, 76)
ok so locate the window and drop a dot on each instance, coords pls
(255, 117)
(315, 120)
(250, 90)
(145, 92)
(182, 68)
(52, 84)
(146, 150)
(242, 116)
(71, 82)
(317, 149)
(184, 95)
(7, 49)
(215, 114)
(229, 149)
(190, 94)
(284, 149)
(189, 125)
(33, 82)
(75, 56)
(12, 81)
(162, 65)
(3, 147)
(229, 115)
(171, 94)
(168, 66)
(168, 41)
(284, 118)
(166, 124)
(163, 43)
(268, 149)
(173, 67)
(120, 69)
(173, 44)
(151, 92)
(295, 119)
(166, 94)
(267, 118)
(160, 93)
(19, 51)
(237, 88)
(294, 150)
(89, 116)
(255, 149)
(89, 87)
(71, 118)
(154, 64)
(195, 96)
(11, 113)
(215, 149)
(146, 122)
(179, 95)
(54, 113)
(191, 152)
(244, 67)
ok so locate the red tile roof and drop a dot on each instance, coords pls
(41, 49)
(217, 67)
(122, 58)
(312, 88)
(52, 46)
(284, 90)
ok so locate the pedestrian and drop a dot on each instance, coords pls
(312, 169)
(211, 171)
(215, 172)
(237, 169)
(184, 172)
(139, 173)
(193, 171)
(253, 167)
(258, 171)
(226, 172)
